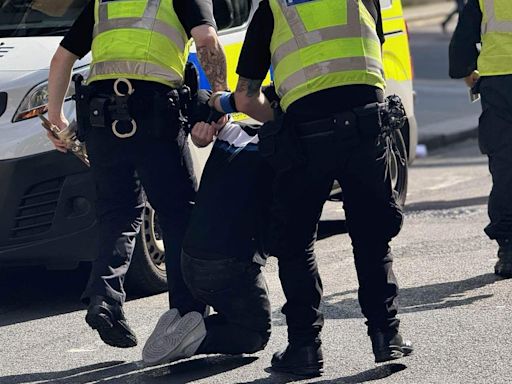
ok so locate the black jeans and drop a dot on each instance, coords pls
(495, 140)
(120, 168)
(372, 216)
(220, 261)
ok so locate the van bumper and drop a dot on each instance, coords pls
(47, 211)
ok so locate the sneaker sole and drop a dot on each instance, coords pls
(180, 343)
(166, 320)
(121, 337)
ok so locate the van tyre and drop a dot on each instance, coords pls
(147, 274)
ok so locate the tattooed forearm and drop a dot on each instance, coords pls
(249, 87)
(213, 61)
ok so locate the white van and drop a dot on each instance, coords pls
(46, 198)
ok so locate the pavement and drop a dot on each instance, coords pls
(450, 129)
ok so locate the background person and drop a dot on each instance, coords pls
(152, 55)
(489, 22)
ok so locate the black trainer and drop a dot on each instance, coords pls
(304, 360)
(389, 345)
(503, 267)
(108, 319)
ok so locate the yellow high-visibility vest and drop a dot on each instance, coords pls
(496, 55)
(323, 44)
(138, 39)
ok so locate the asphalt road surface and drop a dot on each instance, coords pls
(454, 309)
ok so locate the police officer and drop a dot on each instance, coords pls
(327, 62)
(489, 72)
(223, 249)
(139, 50)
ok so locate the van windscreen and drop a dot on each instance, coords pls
(38, 17)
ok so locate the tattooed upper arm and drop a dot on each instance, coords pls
(249, 87)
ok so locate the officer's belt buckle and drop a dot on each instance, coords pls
(115, 122)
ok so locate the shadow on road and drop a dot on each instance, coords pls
(121, 372)
(446, 204)
(418, 299)
(377, 373)
(33, 293)
(415, 299)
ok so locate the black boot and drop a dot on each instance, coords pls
(503, 267)
(303, 360)
(389, 345)
(108, 319)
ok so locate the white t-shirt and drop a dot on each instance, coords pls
(235, 135)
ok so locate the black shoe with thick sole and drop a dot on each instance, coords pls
(503, 267)
(108, 319)
(389, 345)
(304, 360)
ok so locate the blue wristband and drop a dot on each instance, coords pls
(225, 103)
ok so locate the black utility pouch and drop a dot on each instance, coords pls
(82, 97)
(98, 116)
(369, 120)
(346, 129)
(279, 145)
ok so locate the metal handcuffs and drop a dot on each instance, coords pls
(119, 93)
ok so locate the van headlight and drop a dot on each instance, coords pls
(36, 101)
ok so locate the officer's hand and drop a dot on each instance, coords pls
(203, 134)
(472, 79)
(58, 144)
(61, 123)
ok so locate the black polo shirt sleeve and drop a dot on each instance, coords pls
(463, 51)
(254, 60)
(78, 40)
(255, 57)
(191, 13)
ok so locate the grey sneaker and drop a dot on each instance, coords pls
(174, 338)
(503, 267)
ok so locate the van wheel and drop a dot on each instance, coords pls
(398, 168)
(147, 271)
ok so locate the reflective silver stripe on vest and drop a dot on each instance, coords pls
(297, 25)
(332, 66)
(135, 68)
(148, 21)
(492, 24)
(142, 23)
(103, 11)
(314, 37)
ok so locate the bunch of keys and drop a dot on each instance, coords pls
(68, 136)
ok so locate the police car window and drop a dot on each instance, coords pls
(38, 17)
(231, 13)
(386, 4)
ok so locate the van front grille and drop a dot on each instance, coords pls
(36, 211)
(3, 102)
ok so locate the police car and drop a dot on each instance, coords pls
(46, 198)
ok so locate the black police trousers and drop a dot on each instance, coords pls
(372, 217)
(120, 168)
(220, 263)
(495, 140)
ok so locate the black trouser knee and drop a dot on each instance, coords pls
(238, 292)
